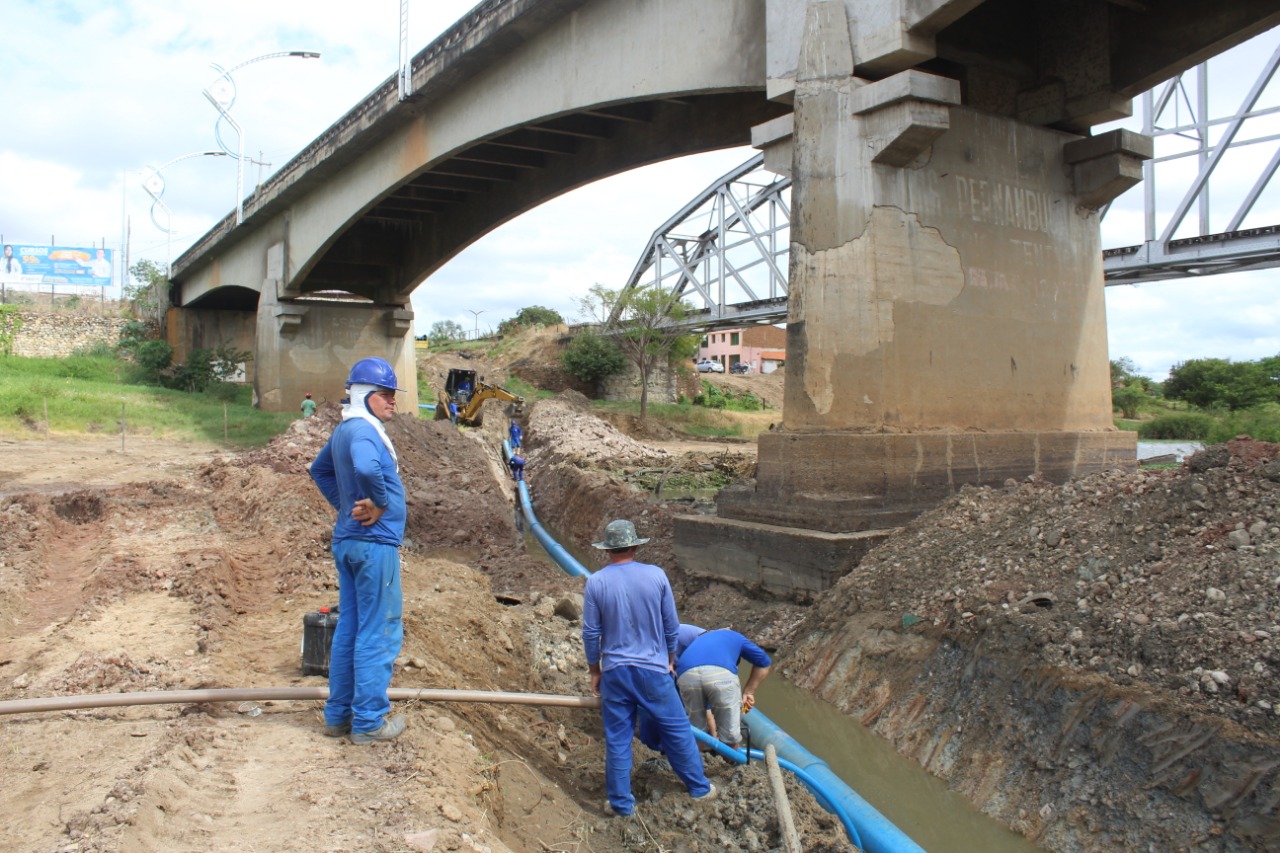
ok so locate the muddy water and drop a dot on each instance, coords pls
(920, 805)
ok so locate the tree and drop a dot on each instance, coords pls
(148, 292)
(533, 315)
(443, 331)
(1210, 383)
(591, 357)
(1129, 389)
(642, 322)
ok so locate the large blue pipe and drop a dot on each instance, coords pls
(554, 549)
(878, 834)
(864, 825)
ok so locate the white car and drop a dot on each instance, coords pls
(709, 366)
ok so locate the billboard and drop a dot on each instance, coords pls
(38, 265)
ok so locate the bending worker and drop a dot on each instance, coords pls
(629, 630)
(358, 474)
(707, 675)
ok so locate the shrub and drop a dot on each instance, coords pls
(1260, 422)
(153, 356)
(592, 357)
(1184, 427)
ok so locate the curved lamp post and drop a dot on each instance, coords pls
(476, 333)
(154, 185)
(221, 92)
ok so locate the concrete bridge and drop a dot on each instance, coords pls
(946, 321)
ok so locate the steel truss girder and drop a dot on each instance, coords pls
(725, 252)
(1186, 246)
(1180, 119)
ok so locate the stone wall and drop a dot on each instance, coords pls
(666, 385)
(46, 335)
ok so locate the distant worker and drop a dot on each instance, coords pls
(453, 412)
(308, 406)
(516, 463)
(517, 435)
(464, 391)
(707, 675)
(629, 635)
(358, 473)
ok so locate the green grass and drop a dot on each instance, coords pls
(85, 395)
(697, 421)
(521, 388)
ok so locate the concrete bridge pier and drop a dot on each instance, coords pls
(309, 345)
(946, 321)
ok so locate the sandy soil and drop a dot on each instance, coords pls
(1093, 663)
(193, 570)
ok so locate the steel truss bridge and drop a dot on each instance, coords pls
(725, 253)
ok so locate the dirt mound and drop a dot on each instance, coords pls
(1116, 639)
(563, 429)
(200, 579)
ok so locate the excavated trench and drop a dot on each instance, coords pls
(1135, 712)
(1092, 665)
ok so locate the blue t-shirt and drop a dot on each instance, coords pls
(355, 464)
(721, 648)
(629, 617)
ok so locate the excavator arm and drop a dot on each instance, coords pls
(471, 413)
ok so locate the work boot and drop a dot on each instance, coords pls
(709, 795)
(389, 730)
(338, 730)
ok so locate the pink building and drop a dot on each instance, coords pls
(763, 348)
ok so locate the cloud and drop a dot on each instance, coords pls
(95, 91)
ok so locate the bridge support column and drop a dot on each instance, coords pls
(309, 346)
(946, 316)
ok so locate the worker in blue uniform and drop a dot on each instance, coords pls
(357, 472)
(629, 635)
(707, 676)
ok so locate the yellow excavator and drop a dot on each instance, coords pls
(464, 390)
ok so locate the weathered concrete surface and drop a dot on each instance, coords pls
(315, 354)
(784, 560)
(842, 482)
(946, 319)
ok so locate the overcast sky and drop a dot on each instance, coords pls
(96, 92)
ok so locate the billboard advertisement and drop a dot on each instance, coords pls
(38, 265)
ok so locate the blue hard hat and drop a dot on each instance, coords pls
(373, 371)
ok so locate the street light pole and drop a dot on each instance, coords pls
(476, 333)
(221, 92)
(154, 185)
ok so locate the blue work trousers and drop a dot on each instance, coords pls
(623, 691)
(368, 636)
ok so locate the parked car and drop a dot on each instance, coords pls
(709, 366)
(739, 367)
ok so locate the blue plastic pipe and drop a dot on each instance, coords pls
(877, 831)
(554, 549)
(866, 827)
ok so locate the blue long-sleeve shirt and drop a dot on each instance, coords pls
(354, 465)
(629, 617)
(721, 648)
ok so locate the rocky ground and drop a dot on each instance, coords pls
(1094, 664)
(199, 576)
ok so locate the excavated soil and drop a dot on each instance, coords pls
(199, 576)
(1093, 664)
